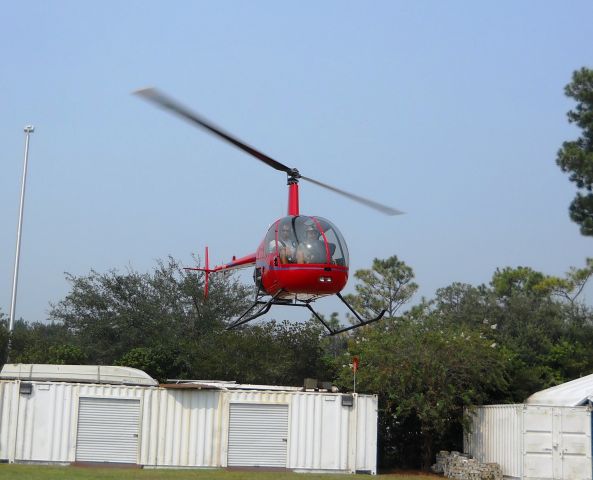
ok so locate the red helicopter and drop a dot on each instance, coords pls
(302, 258)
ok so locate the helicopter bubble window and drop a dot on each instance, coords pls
(336, 244)
(306, 240)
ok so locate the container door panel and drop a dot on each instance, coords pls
(258, 435)
(574, 446)
(557, 443)
(108, 430)
(538, 431)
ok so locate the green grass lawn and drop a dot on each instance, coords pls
(35, 472)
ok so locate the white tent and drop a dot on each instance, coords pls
(576, 393)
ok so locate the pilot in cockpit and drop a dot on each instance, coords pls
(286, 245)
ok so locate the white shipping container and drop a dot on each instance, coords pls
(42, 421)
(533, 441)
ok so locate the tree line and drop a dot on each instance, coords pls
(496, 343)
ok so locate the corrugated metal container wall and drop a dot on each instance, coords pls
(495, 436)
(43, 423)
(319, 428)
(181, 428)
(323, 434)
(366, 433)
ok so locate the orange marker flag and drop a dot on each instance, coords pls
(355, 361)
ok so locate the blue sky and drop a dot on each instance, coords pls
(450, 111)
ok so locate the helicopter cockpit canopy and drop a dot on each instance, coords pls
(304, 240)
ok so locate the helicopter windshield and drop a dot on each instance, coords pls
(301, 239)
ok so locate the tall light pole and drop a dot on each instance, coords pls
(29, 129)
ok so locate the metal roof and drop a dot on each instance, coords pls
(106, 374)
(225, 385)
(570, 394)
(116, 375)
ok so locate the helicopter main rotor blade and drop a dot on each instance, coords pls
(162, 100)
(153, 95)
(357, 198)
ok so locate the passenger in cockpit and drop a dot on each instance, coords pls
(312, 249)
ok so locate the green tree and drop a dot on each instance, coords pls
(425, 374)
(534, 318)
(576, 157)
(465, 305)
(112, 313)
(160, 322)
(274, 353)
(511, 281)
(386, 286)
(494, 343)
(43, 343)
(3, 338)
(158, 361)
(571, 287)
(65, 355)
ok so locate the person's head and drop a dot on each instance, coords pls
(312, 233)
(284, 231)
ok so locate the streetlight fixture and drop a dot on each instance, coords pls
(29, 129)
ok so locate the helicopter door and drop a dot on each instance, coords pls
(257, 274)
(271, 244)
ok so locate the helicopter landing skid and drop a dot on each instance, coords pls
(264, 307)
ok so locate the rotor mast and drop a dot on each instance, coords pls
(293, 192)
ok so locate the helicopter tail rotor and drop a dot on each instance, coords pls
(207, 274)
(207, 271)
